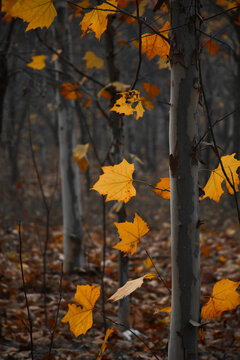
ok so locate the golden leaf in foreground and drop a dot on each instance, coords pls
(163, 188)
(80, 317)
(93, 60)
(129, 287)
(224, 297)
(130, 234)
(70, 91)
(130, 102)
(108, 333)
(38, 62)
(116, 182)
(96, 20)
(38, 13)
(153, 44)
(213, 188)
(80, 156)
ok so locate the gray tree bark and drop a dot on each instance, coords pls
(70, 178)
(184, 180)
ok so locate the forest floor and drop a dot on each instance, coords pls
(220, 258)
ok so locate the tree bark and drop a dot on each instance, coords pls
(70, 178)
(184, 180)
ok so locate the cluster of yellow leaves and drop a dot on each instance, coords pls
(213, 188)
(80, 156)
(224, 297)
(96, 20)
(116, 182)
(93, 60)
(130, 234)
(80, 317)
(38, 13)
(130, 102)
(153, 44)
(38, 62)
(129, 287)
(70, 91)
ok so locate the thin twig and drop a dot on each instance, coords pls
(57, 314)
(139, 47)
(138, 337)
(25, 291)
(158, 273)
(103, 263)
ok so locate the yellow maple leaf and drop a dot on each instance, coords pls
(130, 234)
(163, 188)
(153, 44)
(38, 13)
(224, 297)
(80, 317)
(93, 60)
(213, 188)
(70, 91)
(129, 287)
(80, 156)
(108, 333)
(116, 182)
(130, 102)
(37, 63)
(151, 89)
(96, 20)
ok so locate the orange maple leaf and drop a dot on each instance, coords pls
(38, 13)
(129, 287)
(80, 317)
(130, 234)
(70, 91)
(163, 188)
(80, 156)
(212, 47)
(116, 182)
(224, 297)
(37, 63)
(96, 20)
(151, 89)
(153, 44)
(130, 102)
(213, 189)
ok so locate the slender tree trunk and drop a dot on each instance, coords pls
(117, 131)
(184, 180)
(70, 178)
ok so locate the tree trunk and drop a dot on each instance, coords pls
(184, 180)
(116, 123)
(70, 178)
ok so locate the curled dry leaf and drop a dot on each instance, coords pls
(129, 287)
(80, 156)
